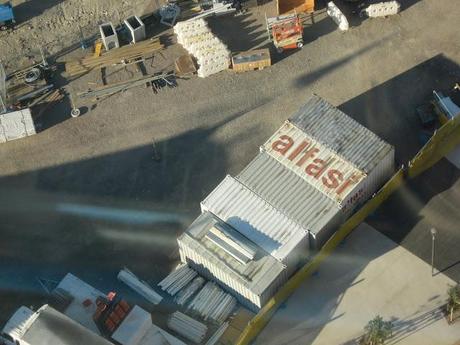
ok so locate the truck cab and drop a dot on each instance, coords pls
(7, 20)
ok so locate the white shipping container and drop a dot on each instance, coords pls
(315, 163)
(255, 218)
(334, 153)
(294, 197)
(248, 282)
(16, 125)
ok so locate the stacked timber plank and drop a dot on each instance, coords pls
(177, 280)
(211, 54)
(141, 287)
(187, 327)
(117, 56)
(213, 303)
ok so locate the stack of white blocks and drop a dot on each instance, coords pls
(383, 9)
(211, 54)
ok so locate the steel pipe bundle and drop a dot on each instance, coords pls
(187, 327)
(211, 54)
(213, 303)
(177, 280)
(184, 295)
(141, 287)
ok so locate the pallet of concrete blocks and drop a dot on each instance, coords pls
(382, 9)
(211, 54)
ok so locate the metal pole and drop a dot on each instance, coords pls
(433, 237)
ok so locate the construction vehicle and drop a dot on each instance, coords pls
(285, 31)
(7, 20)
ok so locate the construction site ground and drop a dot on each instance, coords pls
(115, 186)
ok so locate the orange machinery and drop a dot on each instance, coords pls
(299, 6)
(285, 31)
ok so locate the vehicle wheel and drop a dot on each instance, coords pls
(75, 112)
(32, 76)
(299, 44)
(3, 28)
(279, 49)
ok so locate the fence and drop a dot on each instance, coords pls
(443, 141)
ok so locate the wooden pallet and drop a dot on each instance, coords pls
(113, 57)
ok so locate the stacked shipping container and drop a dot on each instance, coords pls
(309, 176)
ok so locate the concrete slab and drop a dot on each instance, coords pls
(368, 275)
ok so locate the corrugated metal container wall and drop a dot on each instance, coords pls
(340, 133)
(254, 217)
(350, 140)
(289, 193)
(211, 271)
(314, 162)
(373, 182)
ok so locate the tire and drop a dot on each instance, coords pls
(299, 44)
(3, 28)
(32, 76)
(75, 112)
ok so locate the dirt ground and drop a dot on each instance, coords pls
(86, 195)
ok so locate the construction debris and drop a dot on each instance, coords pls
(157, 81)
(169, 14)
(336, 14)
(211, 54)
(184, 65)
(187, 327)
(113, 57)
(177, 280)
(213, 303)
(217, 9)
(141, 287)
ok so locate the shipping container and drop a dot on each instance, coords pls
(251, 282)
(255, 230)
(16, 125)
(255, 218)
(294, 197)
(332, 152)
